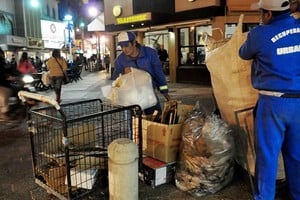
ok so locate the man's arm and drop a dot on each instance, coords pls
(247, 50)
(159, 76)
(117, 70)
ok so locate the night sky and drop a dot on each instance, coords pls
(78, 9)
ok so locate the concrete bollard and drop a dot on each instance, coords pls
(123, 170)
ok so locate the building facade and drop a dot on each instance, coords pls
(183, 27)
(22, 26)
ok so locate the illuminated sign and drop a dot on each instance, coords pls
(53, 31)
(16, 41)
(55, 34)
(134, 18)
(34, 42)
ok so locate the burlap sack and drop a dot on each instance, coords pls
(235, 96)
(230, 76)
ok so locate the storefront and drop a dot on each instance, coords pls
(186, 29)
(12, 44)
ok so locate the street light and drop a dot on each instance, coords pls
(34, 3)
(93, 12)
(69, 18)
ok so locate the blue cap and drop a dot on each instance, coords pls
(124, 38)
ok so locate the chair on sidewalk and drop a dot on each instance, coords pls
(74, 73)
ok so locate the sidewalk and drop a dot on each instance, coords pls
(90, 87)
(91, 81)
(16, 173)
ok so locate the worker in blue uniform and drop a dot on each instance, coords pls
(274, 47)
(144, 58)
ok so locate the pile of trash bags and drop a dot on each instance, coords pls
(206, 156)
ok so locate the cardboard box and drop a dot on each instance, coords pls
(157, 172)
(56, 179)
(162, 141)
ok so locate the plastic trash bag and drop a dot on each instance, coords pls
(206, 156)
(46, 78)
(133, 88)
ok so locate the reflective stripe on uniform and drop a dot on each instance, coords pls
(271, 93)
(164, 87)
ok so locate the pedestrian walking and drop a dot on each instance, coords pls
(106, 61)
(274, 48)
(56, 65)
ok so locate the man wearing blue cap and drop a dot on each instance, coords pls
(144, 58)
(274, 47)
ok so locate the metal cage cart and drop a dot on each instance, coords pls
(69, 144)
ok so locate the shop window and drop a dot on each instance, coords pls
(230, 28)
(53, 13)
(156, 39)
(48, 11)
(192, 45)
(6, 24)
(248, 26)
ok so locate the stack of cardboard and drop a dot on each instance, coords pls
(161, 140)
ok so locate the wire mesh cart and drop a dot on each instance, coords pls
(69, 143)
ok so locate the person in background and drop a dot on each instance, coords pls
(77, 62)
(38, 63)
(274, 48)
(144, 58)
(162, 54)
(191, 58)
(25, 66)
(106, 61)
(5, 90)
(163, 57)
(56, 65)
(13, 66)
(85, 63)
(92, 62)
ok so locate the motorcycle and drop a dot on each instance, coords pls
(18, 83)
(23, 82)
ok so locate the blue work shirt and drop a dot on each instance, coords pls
(148, 61)
(275, 50)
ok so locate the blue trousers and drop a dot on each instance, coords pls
(277, 128)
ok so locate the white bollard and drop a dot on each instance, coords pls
(123, 170)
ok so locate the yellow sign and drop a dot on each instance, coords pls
(134, 18)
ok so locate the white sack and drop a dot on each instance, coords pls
(134, 88)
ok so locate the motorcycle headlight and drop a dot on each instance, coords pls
(27, 79)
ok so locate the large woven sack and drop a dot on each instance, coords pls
(230, 76)
(235, 96)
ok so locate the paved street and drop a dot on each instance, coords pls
(16, 176)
